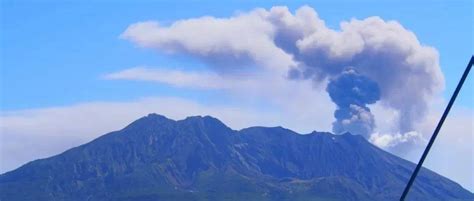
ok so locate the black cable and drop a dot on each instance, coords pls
(435, 134)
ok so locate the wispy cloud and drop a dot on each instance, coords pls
(267, 87)
(203, 80)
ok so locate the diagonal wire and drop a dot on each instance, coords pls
(438, 127)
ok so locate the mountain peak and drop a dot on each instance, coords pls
(205, 120)
(156, 116)
(201, 118)
(149, 121)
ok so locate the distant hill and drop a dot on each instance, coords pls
(200, 158)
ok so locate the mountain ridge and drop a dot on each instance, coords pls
(200, 158)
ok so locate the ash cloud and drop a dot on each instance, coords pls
(352, 92)
(407, 73)
(300, 46)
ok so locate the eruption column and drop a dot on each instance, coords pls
(352, 92)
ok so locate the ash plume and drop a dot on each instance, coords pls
(404, 74)
(352, 92)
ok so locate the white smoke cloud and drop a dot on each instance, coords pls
(398, 142)
(228, 44)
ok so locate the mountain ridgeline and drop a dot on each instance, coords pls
(200, 158)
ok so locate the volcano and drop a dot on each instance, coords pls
(200, 158)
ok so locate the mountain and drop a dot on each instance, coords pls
(200, 158)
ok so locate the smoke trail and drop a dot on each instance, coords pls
(352, 93)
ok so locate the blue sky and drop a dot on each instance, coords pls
(61, 49)
(55, 56)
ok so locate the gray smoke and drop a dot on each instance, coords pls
(406, 72)
(352, 93)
